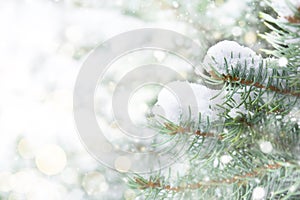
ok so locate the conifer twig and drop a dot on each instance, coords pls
(176, 129)
(239, 179)
(231, 79)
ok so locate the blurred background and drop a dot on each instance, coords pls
(42, 46)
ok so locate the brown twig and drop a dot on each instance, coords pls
(239, 179)
(293, 19)
(231, 79)
(203, 134)
(176, 129)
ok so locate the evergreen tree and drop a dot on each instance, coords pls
(244, 144)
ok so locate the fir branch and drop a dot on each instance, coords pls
(177, 129)
(285, 40)
(266, 93)
(208, 134)
(238, 178)
(230, 79)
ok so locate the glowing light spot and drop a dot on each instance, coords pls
(217, 35)
(219, 2)
(250, 38)
(94, 183)
(206, 179)
(266, 147)
(236, 31)
(129, 194)
(122, 164)
(175, 4)
(293, 188)
(225, 159)
(25, 149)
(216, 163)
(51, 159)
(258, 193)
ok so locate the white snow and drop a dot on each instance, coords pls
(283, 8)
(232, 53)
(266, 147)
(176, 97)
(293, 188)
(234, 112)
(258, 193)
(225, 159)
(216, 163)
(283, 61)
